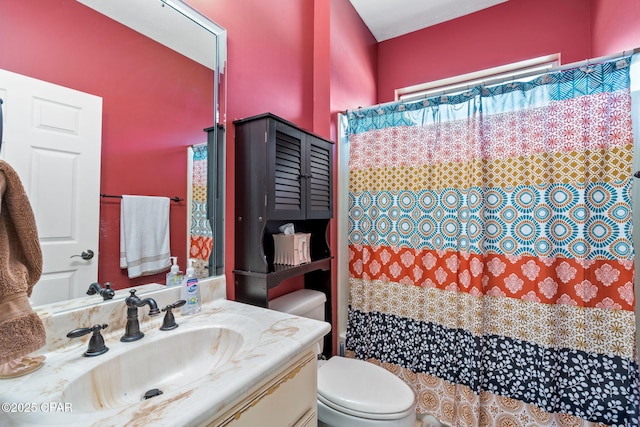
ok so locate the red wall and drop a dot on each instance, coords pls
(354, 61)
(353, 78)
(269, 69)
(615, 26)
(301, 60)
(508, 32)
(270, 57)
(145, 131)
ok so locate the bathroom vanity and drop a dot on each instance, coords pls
(288, 398)
(232, 364)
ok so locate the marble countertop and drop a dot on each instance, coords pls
(47, 310)
(270, 340)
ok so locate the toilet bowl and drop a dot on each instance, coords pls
(356, 393)
(351, 392)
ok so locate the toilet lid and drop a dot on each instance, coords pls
(363, 387)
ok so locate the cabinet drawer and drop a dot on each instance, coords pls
(288, 400)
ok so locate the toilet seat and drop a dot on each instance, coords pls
(366, 415)
(363, 390)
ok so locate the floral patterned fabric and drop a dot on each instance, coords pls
(201, 235)
(490, 250)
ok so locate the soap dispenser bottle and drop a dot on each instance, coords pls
(190, 291)
(174, 276)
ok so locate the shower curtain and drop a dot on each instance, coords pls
(490, 250)
(201, 236)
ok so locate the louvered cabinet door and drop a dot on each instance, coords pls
(302, 175)
(318, 178)
(286, 196)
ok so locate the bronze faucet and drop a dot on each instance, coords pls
(106, 292)
(132, 329)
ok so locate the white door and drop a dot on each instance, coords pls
(52, 138)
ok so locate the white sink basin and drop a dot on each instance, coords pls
(165, 364)
(202, 368)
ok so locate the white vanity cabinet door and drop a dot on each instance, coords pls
(287, 400)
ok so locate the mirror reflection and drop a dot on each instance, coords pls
(153, 106)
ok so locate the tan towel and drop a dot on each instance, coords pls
(21, 330)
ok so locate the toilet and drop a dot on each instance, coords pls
(351, 392)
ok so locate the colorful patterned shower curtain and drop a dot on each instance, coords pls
(490, 250)
(201, 236)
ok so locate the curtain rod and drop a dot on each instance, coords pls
(506, 79)
(173, 199)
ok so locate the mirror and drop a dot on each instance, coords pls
(154, 105)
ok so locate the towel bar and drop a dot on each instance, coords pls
(173, 199)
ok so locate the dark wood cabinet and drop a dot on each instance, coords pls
(283, 174)
(215, 195)
(298, 168)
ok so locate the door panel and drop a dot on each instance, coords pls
(52, 138)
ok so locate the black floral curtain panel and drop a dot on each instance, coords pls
(491, 256)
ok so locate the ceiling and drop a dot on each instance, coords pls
(167, 25)
(387, 19)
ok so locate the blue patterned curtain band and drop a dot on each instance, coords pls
(587, 80)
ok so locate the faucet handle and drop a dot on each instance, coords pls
(176, 304)
(96, 343)
(169, 321)
(80, 332)
(108, 293)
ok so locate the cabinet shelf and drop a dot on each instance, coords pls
(283, 272)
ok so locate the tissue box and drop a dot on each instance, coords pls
(291, 249)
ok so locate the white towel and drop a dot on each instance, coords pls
(144, 235)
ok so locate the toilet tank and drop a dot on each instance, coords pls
(304, 303)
